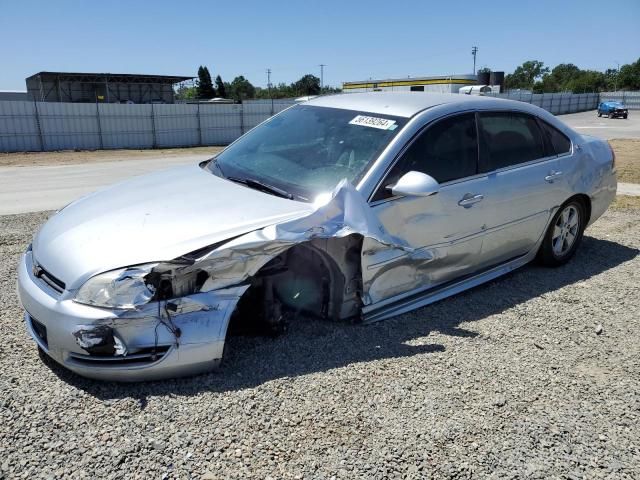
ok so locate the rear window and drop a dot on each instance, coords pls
(559, 141)
(508, 139)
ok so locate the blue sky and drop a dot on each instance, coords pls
(356, 39)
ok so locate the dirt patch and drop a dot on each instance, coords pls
(627, 159)
(625, 202)
(70, 157)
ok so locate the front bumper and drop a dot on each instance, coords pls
(56, 322)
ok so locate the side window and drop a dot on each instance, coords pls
(559, 141)
(509, 138)
(447, 150)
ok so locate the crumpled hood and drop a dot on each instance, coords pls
(151, 218)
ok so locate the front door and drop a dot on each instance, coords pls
(444, 230)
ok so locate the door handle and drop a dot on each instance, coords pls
(469, 199)
(552, 176)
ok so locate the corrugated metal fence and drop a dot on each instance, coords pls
(630, 99)
(556, 103)
(43, 126)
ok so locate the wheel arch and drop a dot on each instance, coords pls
(331, 266)
(585, 200)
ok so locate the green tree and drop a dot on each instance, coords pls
(526, 75)
(567, 77)
(241, 89)
(307, 85)
(222, 92)
(186, 93)
(205, 85)
(484, 70)
(629, 76)
(330, 90)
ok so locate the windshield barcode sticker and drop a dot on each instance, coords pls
(374, 122)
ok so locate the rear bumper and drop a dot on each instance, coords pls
(65, 330)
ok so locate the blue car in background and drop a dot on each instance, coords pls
(612, 109)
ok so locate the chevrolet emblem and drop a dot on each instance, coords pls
(37, 271)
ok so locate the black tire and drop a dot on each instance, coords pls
(625, 117)
(559, 246)
(599, 114)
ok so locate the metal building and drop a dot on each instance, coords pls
(102, 87)
(13, 95)
(438, 83)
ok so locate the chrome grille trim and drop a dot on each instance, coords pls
(46, 277)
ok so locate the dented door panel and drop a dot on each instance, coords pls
(446, 238)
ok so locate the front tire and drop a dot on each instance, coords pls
(599, 114)
(563, 235)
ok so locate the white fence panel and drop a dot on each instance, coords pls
(126, 126)
(19, 130)
(69, 126)
(176, 125)
(220, 124)
(556, 103)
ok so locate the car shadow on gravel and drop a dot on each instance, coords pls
(312, 346)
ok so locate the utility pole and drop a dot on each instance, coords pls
(615, 82)
(269, 81)
(474, 52)
(322, 65)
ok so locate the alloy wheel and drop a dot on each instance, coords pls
(565, 231)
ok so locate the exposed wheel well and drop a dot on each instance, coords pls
(303, 279)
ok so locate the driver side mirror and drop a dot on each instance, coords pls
(415, 184)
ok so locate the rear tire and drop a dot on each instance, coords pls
(563, 235)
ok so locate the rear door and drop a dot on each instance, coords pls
(524, 183)
(446, 228)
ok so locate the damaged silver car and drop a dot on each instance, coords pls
(357, 206)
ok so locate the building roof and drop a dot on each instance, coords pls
(464, 79)
(114, 77)
(400, 104)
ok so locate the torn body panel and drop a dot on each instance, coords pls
(130, 345)
(310, 264)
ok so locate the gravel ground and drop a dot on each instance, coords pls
(536, 375)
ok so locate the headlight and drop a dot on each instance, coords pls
(125, 288)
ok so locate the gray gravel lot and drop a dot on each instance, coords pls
(509, 380)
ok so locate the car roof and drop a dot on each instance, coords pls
(400, 104)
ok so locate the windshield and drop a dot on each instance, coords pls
(307, 150)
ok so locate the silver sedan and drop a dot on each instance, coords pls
(349, 206)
